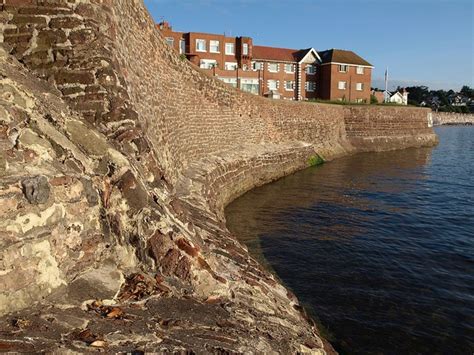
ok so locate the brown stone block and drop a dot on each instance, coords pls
(29, 20)
(74, 77)
(159, 245)
(72, 90)
(82, 36)
(170, 262)
(39, 58)
(17, 38)
(19, 3)
(48, 38)
(183, 269)
(65, 22)
(80, 105)
(185, 246)
(133, 191)
(43, 10)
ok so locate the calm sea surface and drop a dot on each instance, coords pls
(379, 246)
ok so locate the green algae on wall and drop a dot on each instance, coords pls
(315, 160)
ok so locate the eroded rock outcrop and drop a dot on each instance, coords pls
(116, 160)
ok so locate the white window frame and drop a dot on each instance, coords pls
(214, 43)
(207, 63)
(310, 86)
(170, 41)
(342, 85)
(360, 86)
(310, 69)
(360, 70)
(291, 68)
(245, 49)
(271, 81)
(343, 68)
(277, 66)
(250, 85)
(182, 46)
(228, 50)
(230, 65)
(257, 66)
(291, 86)
(202, 41)
(229, 81)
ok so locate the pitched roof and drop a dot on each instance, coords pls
(279, 54)
(342, 56)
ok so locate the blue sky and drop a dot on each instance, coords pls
(422, 42)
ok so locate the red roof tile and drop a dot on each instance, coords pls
(278, 54)
(342, 56)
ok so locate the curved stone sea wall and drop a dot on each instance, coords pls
(451, 118)
(117, 158)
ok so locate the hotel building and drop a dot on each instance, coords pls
(292, 74)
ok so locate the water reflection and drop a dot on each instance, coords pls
(381, 246)
(262, 210)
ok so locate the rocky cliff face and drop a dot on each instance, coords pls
(116, 160)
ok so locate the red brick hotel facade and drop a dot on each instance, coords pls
(290, 74)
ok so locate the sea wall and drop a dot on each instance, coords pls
(117, 158)
(376, 128)
(451, 118)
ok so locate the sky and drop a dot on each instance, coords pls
(421, 42)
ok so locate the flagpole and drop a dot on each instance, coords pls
(386, 85)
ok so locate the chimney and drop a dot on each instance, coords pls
(405, 96)
(164, 25)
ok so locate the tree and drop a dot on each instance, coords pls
(467, 91)
(373, 100)
(418, 93)
(465, 109)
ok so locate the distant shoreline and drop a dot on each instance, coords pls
(452, 119)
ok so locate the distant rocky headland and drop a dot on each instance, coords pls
(117, 158)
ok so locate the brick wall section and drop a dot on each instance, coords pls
(449, 118)
(331, 91)
(188, 115)
(200, 115)
(222, 179)
(375, 128)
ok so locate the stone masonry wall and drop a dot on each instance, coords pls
(374, 128)
(91, 57)
(78, 223)
(451, 118)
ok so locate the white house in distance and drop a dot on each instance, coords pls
(400, 98)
